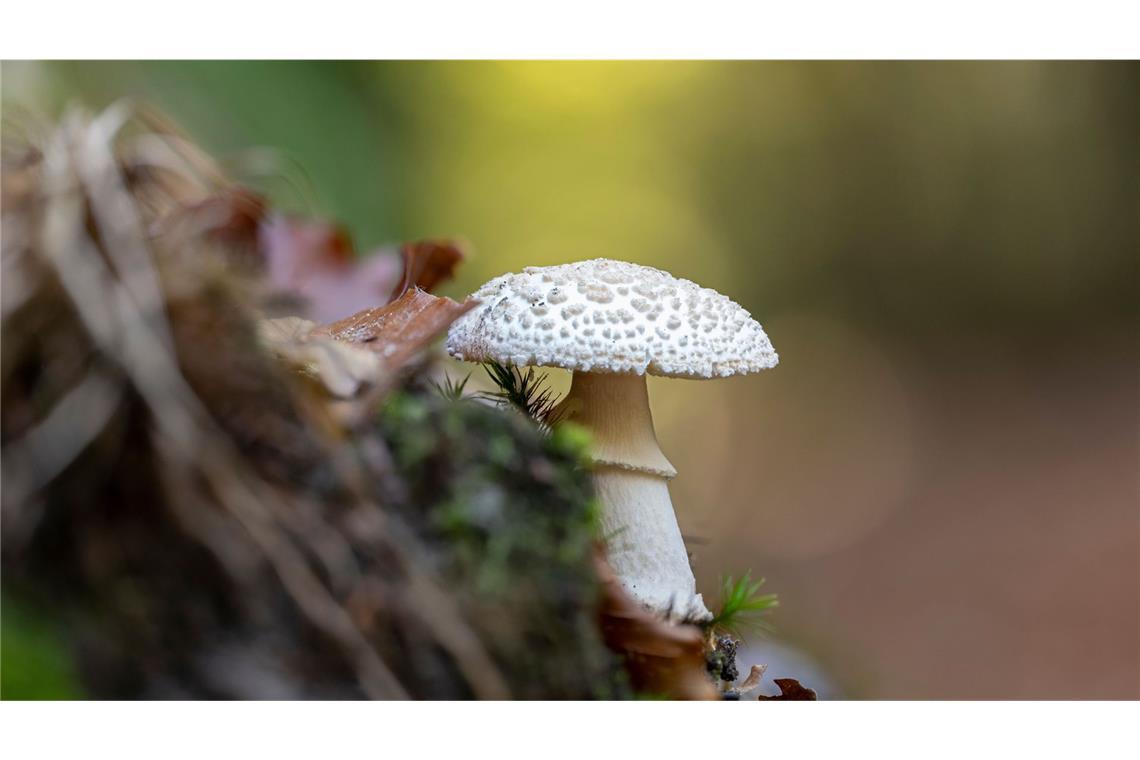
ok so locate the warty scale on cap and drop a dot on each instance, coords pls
(610, 316)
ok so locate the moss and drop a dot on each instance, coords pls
(721, 660)
(572, 439)
(34, 661)
(511, 517)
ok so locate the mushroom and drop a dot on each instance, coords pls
(612, 323)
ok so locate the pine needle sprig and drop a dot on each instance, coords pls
(526, 391)
(742, 607)
(452, 389)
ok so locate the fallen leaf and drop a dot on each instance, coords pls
(231, 217)
(426, 264)
(791, 689)
(342, 369)
(661, 657)
(315, 259)
(401, 329)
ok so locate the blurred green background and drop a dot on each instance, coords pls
(940, 477)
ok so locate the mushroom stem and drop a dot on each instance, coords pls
(631, 477)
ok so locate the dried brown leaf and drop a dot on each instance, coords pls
(401, 329)
(661, 657)
(426, 264)
(342, 369)
(315, 259)
(312, 258)
(791, 689)
(231, 217)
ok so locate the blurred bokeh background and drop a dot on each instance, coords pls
(940, 479)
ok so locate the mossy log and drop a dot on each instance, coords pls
(196, 519)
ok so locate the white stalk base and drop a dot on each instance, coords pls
(644, 544)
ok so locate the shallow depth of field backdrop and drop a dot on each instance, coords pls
(940, 478)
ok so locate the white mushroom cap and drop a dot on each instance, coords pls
(610, 316)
